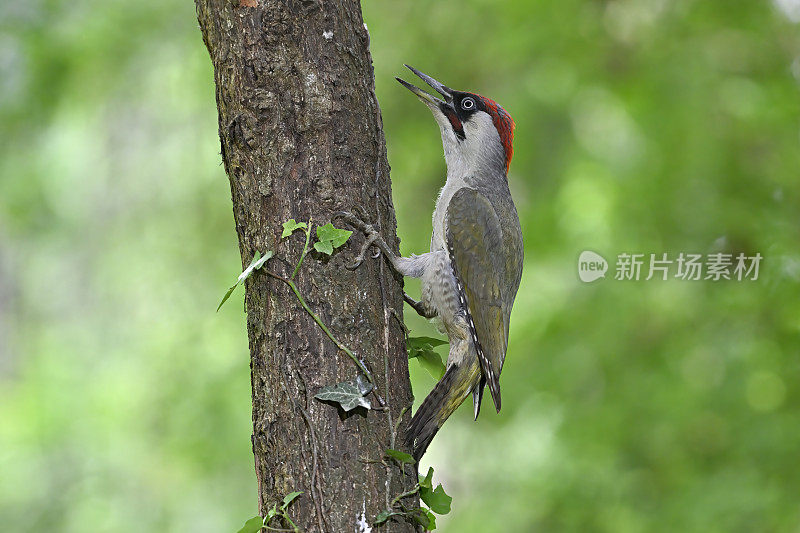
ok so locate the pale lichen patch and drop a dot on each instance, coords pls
(362, 522)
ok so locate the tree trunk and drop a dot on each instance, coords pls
(302, 138)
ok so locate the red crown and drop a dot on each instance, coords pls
(504, 125)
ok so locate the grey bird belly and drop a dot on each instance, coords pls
(440, 292)
(439, 289)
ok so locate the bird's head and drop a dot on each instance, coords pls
(476, 132)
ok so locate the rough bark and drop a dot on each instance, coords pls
(301, 137)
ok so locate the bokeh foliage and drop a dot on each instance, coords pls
(642, 126)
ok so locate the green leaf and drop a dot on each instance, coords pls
(290, 498)
(253, 525)
(347, 394)
(425, 518)
(426, 482)
(329, 238)
(254, 265)
(324, 247)
(422, 349)
(271, 514)
(335, 236)
(400, 456)
(416, 342)
(290, 226)
(364, 385)
(431, 521)
(437, 499)
(382, 517)
(227, 295)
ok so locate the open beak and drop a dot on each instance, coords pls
(428, 98)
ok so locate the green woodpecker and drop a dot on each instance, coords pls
(471, 275)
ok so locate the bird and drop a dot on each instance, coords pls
(473, 270)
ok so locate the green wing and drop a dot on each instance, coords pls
(477, 255)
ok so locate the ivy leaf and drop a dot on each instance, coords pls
(271, 514)
(400, 456)
(290, 498)
(290, 226)
(330, 238)
(324, 247)
(422, 349)
(431, 521)
(227, 295)
(254, 265)
(437, 499)
(415, 342)
(364, 385)
(347, 394)
(425, 482)
(253, 525)
(425, 518)
(382, 517)
(257, 262)
(336, 236)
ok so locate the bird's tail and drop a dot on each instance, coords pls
(451, 391)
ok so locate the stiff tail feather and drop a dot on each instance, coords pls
(451, 391)
(477, 396)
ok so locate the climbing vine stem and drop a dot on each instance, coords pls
(305, 251)
(320, 323)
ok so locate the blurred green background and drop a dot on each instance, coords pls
(644, 126)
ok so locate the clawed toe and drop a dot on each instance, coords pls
(365, 228)
(355, 264)
(371, 238)
(354, 221)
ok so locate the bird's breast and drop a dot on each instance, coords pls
(451, 186)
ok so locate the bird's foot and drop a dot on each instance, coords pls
(373, 238)
(421, 309)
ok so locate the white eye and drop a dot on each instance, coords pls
(467, 103)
